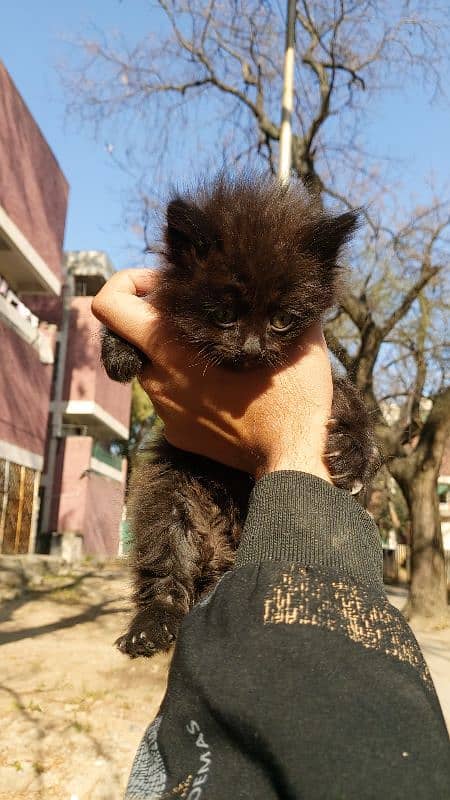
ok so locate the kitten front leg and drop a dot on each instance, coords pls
(121, 359)
(352, 454)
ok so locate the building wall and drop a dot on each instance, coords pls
(24, 393)
(104, 502)
(45, 306)
(70, 497)
(33, 190)
(84, 377)
(87, 504)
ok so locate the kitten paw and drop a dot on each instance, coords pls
(122, 361)
(352, 457)
(151, 631)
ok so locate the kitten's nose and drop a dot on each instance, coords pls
(252, 345)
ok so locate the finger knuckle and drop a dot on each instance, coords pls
(98, 306)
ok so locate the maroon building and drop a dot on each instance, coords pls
(33, 201)
(58, 411)
(89, 414)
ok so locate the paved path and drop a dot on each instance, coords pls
(436, 649)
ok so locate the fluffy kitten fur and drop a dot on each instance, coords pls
(237, 254)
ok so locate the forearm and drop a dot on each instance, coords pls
(296, 674)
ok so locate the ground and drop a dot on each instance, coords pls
(435, 645)
(73, 709)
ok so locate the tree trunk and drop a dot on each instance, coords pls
(417, 476)
(428, 592)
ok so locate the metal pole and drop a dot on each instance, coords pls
(56, 424)
(285, 159)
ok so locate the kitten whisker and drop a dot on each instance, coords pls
(202, 354)
(215, 361)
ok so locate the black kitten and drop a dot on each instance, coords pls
(247, 266)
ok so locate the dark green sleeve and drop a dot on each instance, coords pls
(296, 678)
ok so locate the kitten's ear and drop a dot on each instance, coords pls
(330, 234)
(187, 230)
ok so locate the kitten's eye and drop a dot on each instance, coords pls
(282, 321)
(225, 317)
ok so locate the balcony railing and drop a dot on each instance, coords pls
(14, 302)
(24, 323)
(101, 453)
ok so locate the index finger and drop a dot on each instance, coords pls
(120, 304)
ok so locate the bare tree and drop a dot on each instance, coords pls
(227, 55)
(397, 351)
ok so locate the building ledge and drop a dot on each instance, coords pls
(98, 422)
(104, 469)
(17, 455)
(22, 266)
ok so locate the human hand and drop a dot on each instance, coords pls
(258, 421)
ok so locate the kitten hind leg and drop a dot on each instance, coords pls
(152, 630)
(183, 542)
(163, 562)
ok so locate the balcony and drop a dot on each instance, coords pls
(90, 398)
(20, 264)
(444, 497)
(90, 270)
(106, 463)
(91, 419)
(24, 323)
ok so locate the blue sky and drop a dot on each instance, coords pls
(403, 125)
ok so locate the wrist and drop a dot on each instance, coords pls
(302, 452)
(310, 466)
(297, 462)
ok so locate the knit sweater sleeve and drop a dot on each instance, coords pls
(296, 678)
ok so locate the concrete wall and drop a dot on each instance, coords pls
(84, 377)
(46, 307)
(33, 190)
(74, 457)
(24, 393)
(89, 504)
(104, 503)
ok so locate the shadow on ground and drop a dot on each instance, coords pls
(73, 708)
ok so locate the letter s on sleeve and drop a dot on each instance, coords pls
(193, 727)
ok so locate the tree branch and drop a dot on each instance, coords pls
(338, 349)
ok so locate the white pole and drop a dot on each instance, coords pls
(285, 159)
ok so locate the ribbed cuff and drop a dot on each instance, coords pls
(297, 517)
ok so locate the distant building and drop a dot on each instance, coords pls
(59, 412)
(33, 201)
(88, 413)
(444, 499)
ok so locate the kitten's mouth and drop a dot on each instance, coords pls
(244, 362)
